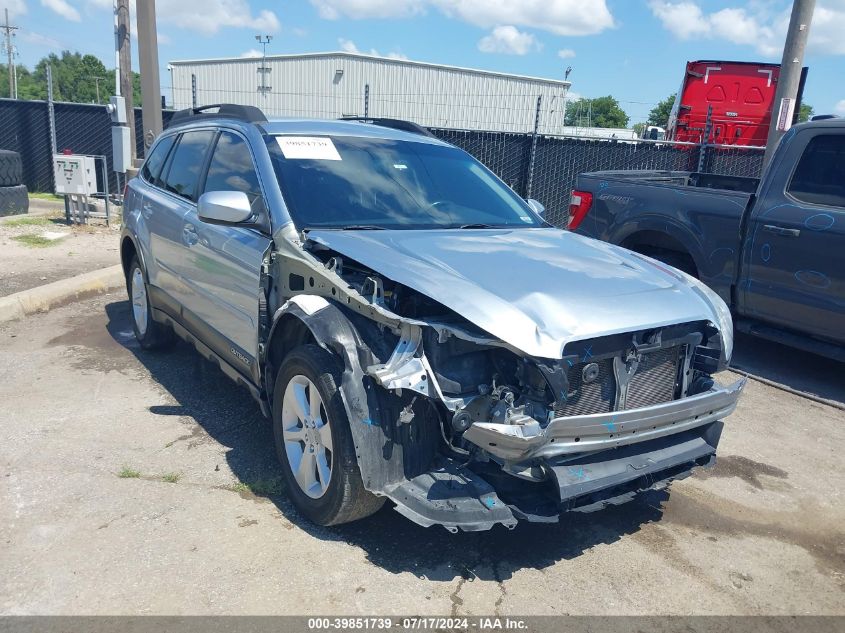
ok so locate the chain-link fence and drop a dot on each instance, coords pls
(557, 161)
(80, 129)
(544, 167)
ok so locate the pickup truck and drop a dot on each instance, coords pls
(773, 248)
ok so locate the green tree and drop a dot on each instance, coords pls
(659, 114)
(28, 87)
(598, 112)
(805, 113)
(73, 76)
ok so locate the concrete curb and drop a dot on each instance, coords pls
(52, 295)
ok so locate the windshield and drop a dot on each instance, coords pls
(348, 182)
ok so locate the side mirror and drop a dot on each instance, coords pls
(224, 207)
(536, 206)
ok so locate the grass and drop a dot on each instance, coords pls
(171, 478)
(34, 240)
(128, 473)
(44, 196)
(39, 220)
(260, 487)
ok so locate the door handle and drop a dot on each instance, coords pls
(781, 230)
(189, 235)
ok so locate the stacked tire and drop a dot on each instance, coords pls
(13, 195)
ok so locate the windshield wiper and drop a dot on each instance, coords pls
(361, 227)
(477, 225)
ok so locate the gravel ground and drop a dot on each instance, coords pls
(762, 533)
(39, 249)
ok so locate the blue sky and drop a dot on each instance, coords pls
(632, 49)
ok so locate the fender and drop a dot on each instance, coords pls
(678, 231)
(380, 450)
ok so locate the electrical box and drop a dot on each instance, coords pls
(74, 174)
(121, 154)
(117, 109)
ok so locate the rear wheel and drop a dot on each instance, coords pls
(150, 333)
(314, 443)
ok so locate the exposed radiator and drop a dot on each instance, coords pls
(655, 379)
(653, 383)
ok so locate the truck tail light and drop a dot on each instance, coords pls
(579, 206)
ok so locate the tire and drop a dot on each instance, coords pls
(150, 334)
(13, 200)
(11, 168)
(340, 497)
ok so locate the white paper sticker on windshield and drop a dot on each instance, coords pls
(308, 147)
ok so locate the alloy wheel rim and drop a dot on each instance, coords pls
(139, 301)
(307, 437)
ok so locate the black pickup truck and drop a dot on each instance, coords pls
(773, 248)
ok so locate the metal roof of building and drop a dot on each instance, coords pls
(376, 58)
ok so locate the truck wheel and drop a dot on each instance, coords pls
(314, 442)
(11, 168)
(13, 200)
(150, 334)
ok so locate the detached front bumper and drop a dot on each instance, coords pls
(599, 431)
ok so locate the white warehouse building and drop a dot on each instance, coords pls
(332, 85)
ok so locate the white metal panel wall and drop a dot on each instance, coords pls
(333, 85)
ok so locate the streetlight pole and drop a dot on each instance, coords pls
(264, 40)
(97, 81)
(790, 73)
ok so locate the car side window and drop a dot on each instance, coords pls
(231, 169)
(152, 166)
(820, 175)
(187, 162)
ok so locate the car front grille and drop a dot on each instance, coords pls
(653, 383)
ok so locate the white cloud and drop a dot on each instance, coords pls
(63, 8)
(562, 17)
(37, 39)
(253, 52)
(683, 19)
(350, 47)
(508, 40)
(839, 108)
(215, 14)
(361, 9)
(207, 19)
(15, 7)
(755, 25)
(566, 53)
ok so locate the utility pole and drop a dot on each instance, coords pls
(790, 73)
(148, 59)
(96, 81)
(10, 55)
(264, 69)
(123, 47)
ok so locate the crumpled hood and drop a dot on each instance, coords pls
(534, 289)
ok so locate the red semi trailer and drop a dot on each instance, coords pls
(742, 95)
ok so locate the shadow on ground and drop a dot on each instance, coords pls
(230, 417)
(817, 375)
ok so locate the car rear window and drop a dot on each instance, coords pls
(152, 166)
(187, 162)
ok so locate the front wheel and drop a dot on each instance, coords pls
(150, 333)
(314, 443)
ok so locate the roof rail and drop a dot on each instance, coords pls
(396, 124)
(247, 113)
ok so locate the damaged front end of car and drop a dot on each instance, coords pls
(463, 429)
